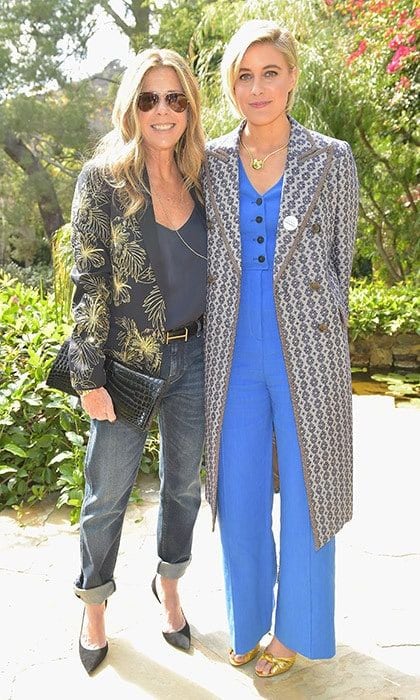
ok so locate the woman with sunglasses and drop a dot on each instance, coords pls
(139, 242)
(282, 206)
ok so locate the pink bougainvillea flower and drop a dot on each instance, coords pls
(396, 42)
(404, 83)
(395, 64)
(378, 7)
(359, 51)
(402, 18)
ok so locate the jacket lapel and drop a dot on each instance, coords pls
(307, 166)
(222, 171)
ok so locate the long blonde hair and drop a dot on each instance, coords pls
(120, 152)
(256, 31)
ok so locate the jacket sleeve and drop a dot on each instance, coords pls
(345, 224)
(92, 276)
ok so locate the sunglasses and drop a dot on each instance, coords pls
(175, 100)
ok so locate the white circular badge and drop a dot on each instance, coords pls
(290, 223)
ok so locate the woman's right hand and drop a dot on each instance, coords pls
(98, 404)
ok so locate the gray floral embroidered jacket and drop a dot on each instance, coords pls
(118, 306)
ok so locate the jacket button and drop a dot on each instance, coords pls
(323, 327)
(260, 239)
(315, 285)
(210, 279)
(258, 219)
(261, 258)
(258, 201)
(316, 228)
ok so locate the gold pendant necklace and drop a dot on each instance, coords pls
(258, 163)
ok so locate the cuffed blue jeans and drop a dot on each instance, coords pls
(112, 461)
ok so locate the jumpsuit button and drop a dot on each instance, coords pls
(316, 228)
(260, 239)
(211, 279)
(323, 327)
(258, 219)
(261, 258)
(258, 201)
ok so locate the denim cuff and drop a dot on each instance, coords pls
(168, 570)
(97, 595)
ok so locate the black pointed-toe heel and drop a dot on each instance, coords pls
(91, 658)
(180, 639)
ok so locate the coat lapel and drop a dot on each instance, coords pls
(307, 166)
(222, 170)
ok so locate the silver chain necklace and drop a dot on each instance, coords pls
(203, 257)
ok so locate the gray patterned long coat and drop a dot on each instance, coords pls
(312, 266)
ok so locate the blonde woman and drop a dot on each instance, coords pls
(282, 205)
(139, 240)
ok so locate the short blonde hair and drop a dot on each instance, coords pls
(121, 153)
(256, 31)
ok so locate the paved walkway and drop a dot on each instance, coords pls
(378, 584)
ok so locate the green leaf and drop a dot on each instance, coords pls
(60, 458)
(74, 438)
(4, 469)
(15, 450)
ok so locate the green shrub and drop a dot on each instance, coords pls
(43, 433)
(376, 308)
(39, 276)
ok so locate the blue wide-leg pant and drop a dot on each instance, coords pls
(259, 401)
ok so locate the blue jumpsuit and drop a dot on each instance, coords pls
(258, 400)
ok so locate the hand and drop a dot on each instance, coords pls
(98, 404)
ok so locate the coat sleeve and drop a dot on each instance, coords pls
(345, 223)
(91, 230)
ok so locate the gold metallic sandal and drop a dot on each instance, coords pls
(246, 658)
(278, 665)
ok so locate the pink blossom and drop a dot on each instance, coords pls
(396, 42)
(402, 18)
(404, 83)
(378, 7)
(359, 51)
(395, 63)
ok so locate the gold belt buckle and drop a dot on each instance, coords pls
(183, 336)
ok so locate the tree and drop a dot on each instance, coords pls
(380, 58)
(36, 36)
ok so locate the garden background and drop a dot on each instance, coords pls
(358, 83)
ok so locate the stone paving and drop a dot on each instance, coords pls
(378, 609)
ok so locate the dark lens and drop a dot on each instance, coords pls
(147, 100)
(176, 101)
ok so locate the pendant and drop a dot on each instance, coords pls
(257, 164)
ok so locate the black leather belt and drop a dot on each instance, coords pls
(185, 332)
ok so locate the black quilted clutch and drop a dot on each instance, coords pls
(135, 394)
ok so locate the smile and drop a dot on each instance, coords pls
(162, 127)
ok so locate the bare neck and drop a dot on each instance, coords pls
(267, 137)
(161, 165)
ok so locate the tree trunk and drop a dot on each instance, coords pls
(38, 178)
(138, 33)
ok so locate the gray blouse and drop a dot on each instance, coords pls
(183, 273)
